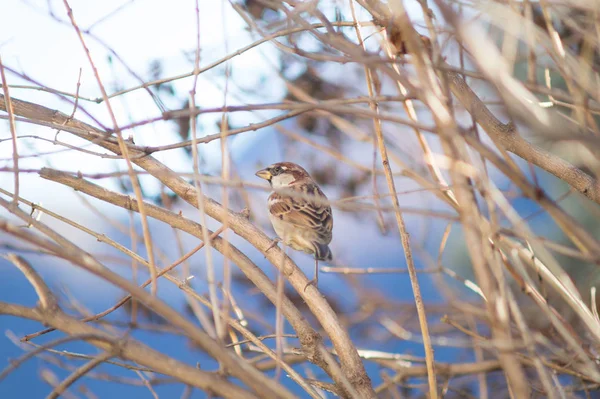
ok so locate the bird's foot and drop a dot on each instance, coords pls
(245, 213)
(273, 244)
(314, 282)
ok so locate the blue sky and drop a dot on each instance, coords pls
(35, 44)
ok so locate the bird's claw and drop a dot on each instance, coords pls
(314, 282)
(245, 213)
(273, 244)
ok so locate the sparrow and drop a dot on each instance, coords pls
(300, 222)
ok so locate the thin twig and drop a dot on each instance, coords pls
(123, 150)
(13, 132)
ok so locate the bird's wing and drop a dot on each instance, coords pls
(303, 213)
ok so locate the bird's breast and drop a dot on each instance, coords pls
(300, 239)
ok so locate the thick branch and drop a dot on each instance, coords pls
(504, 134)
(130, 350)
(236, 366)
(310, 340)
(351, 363)
(511, 141)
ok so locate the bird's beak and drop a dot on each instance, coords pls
(264, 174)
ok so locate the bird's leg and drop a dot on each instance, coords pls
(314, 281)
(274, 243)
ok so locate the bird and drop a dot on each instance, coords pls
(299, 212)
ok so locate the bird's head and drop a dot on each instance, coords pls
(283, 174)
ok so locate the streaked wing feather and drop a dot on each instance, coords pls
(304, 214)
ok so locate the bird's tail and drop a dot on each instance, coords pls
(322, 252)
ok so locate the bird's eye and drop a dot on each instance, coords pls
(276, 170)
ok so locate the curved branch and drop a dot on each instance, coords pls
(310, 340)
(350, 360)
(47, 298)
(128, 349)
(502, 133)
(77, 374)
(511, 141)
(237, 367)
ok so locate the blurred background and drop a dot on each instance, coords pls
(256, 64)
